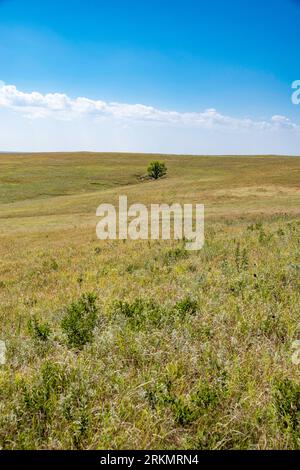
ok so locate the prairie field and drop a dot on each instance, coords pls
(142, 344)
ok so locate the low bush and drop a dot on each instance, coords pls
(80, 320)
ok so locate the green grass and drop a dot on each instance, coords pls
(174, 349)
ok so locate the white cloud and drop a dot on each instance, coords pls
(282, 122)
(57, 122)
(62, 107)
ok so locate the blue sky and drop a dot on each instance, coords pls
(235, 58)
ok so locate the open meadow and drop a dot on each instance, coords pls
(175, 349)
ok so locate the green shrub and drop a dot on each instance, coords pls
(139, 311)
(42, 396)
(184, 412)
(130, 310)
(156, 170)
(80, 320)
(206, 396)
(241, 258)
(38, 331)
(287, 404)
(186, 408)
(186, 306)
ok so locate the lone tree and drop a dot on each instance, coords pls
(157, 170)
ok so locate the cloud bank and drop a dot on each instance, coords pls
(36, 122)
(59, 106)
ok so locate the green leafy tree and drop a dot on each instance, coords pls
(157, 170)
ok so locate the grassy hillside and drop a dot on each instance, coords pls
(185, 349)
